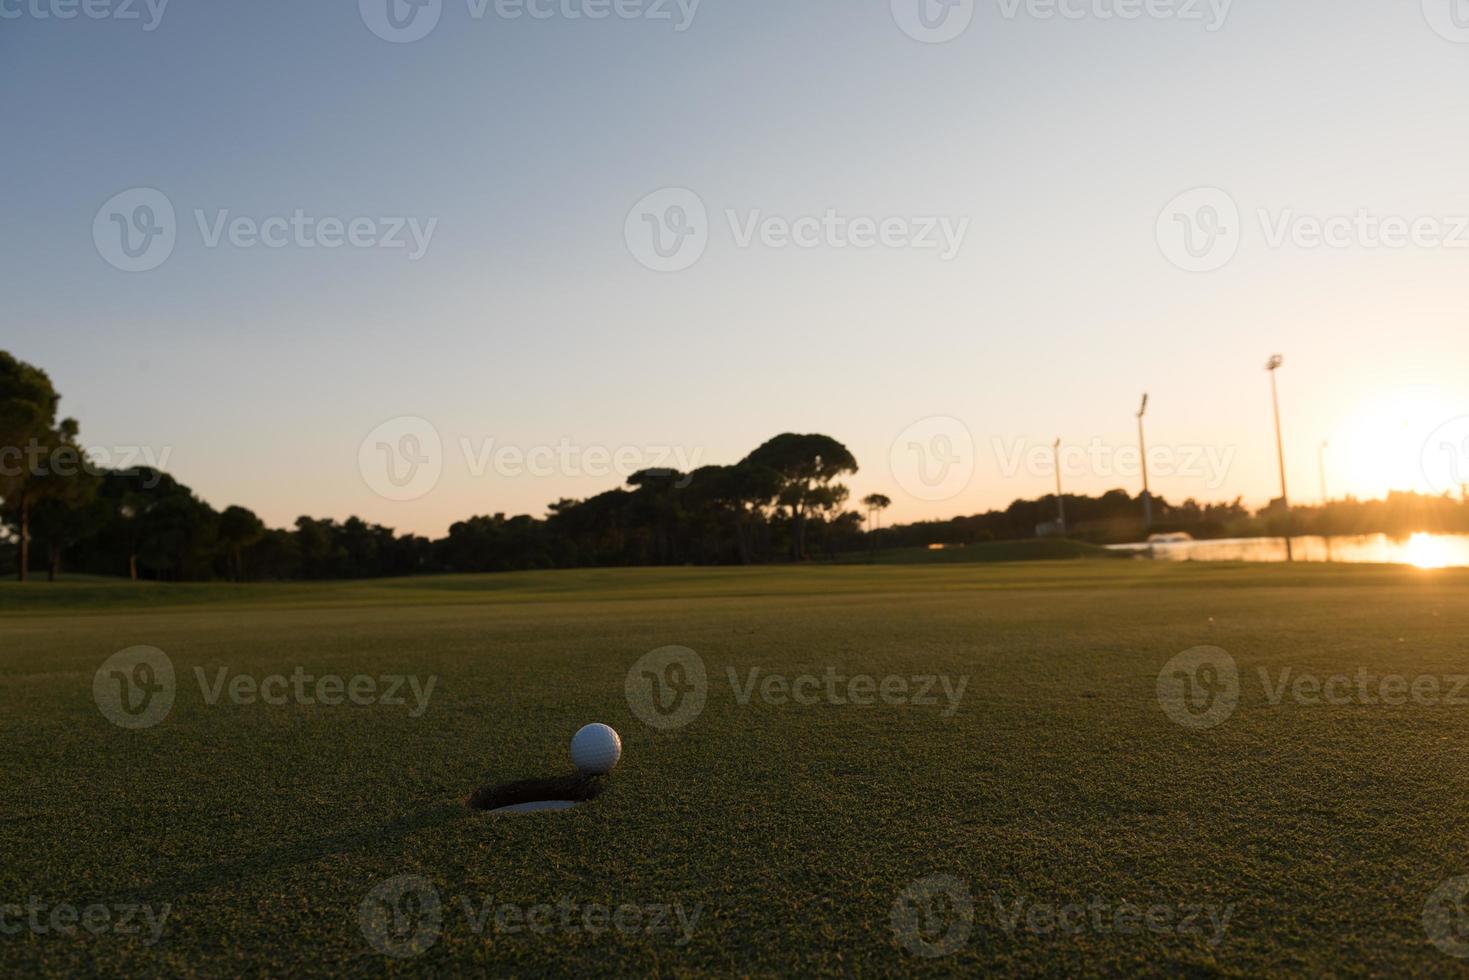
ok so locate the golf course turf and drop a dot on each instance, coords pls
(771, 833)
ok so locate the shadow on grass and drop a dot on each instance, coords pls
(576, 787)
(288, 855)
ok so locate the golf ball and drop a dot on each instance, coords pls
(595, 748)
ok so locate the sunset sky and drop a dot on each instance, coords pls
(530, 320)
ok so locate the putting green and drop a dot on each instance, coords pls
(813, 790)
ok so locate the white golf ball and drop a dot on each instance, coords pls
(595, 748)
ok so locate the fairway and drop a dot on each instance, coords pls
(1014, 743)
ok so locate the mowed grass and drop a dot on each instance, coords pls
(789, 830)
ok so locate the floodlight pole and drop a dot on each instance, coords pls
(1272, 366)
(1142, 448)
(1322, 455)
(1060, 501)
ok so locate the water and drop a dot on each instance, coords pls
(1421, 550)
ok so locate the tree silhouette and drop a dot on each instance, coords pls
(806, 465)
(239, 528)
(876, 503)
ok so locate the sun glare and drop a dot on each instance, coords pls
(1381, 448)
(1427, 551)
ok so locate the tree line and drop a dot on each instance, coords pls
(782, 502)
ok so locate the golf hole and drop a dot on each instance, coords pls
(536, 795)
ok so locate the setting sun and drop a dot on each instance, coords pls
(1381, 447)
(1428, 551)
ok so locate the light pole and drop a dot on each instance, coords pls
(1060, 501)
(1322, 455)
(1272, 366)
(1142, 448)
(1325, 526)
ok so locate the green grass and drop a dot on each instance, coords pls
(1033, 549)
(790, 829)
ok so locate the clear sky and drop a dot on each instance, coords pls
(531, 317)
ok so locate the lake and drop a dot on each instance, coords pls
(1422, 550)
